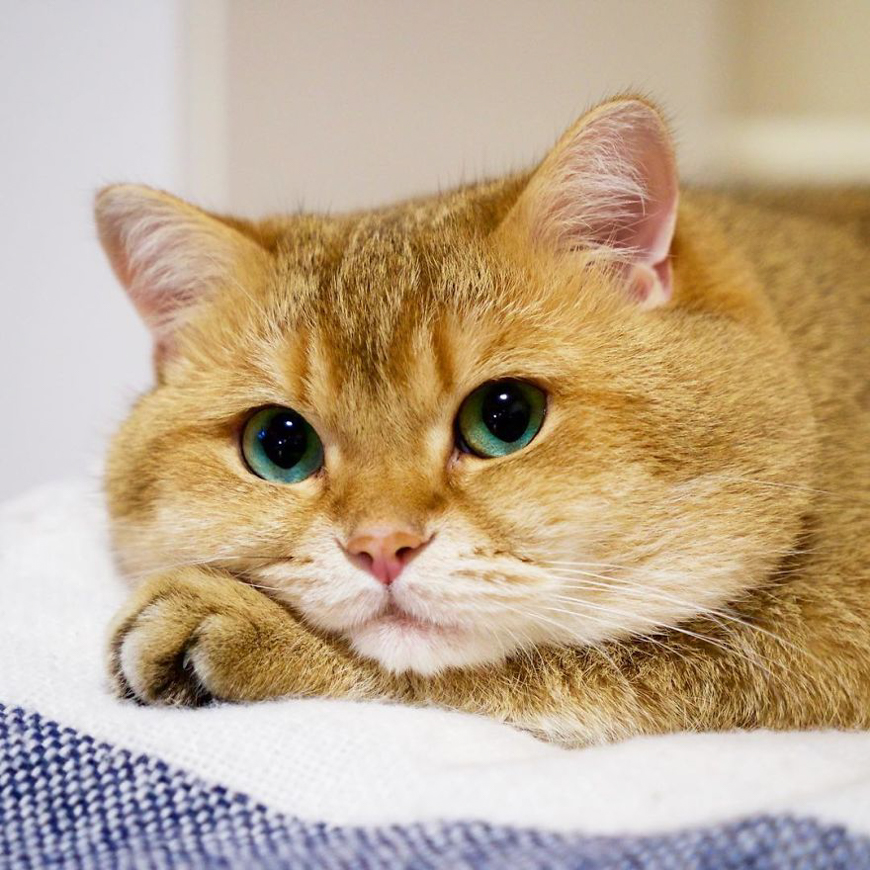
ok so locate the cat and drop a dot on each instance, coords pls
(574, 449)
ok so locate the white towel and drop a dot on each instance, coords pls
(345, 762)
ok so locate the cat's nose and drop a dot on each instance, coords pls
(385, 552)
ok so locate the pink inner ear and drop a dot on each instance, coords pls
(159, 307)
(651, 232)
(613, 186)
(649, 286)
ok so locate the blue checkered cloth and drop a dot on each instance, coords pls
(69, 801)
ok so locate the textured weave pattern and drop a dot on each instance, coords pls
(69, 801)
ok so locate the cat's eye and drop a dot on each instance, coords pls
(500, 417)
(279, 445)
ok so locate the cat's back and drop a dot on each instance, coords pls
(810, 249)
(847, 208)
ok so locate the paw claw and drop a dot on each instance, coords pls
(152, 658)
(198, 692)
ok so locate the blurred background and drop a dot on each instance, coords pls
(263, 105)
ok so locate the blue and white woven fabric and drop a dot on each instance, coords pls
(89, 782)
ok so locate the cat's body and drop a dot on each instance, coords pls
(684, 544)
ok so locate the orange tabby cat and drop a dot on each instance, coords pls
(554, 448)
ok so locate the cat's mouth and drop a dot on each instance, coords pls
(395, 617)
(402, 641)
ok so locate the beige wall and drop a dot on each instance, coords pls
(799, 108)
(802, 58)
(345, 104)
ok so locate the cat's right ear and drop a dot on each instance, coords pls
(168, 254)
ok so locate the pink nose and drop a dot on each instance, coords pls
(384, 552)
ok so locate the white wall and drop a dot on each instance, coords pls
(88, 95)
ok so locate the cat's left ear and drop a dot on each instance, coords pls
(609, 185)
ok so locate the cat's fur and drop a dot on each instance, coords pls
(683, 546)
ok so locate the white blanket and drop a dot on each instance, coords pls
(345, 762)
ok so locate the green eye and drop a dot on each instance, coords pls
(279, 445)
(500, 417)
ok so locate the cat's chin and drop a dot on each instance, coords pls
(401, 643)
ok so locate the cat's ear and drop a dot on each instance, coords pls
(168, 254)
(609, 185)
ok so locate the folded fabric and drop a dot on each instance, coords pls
(90, 781)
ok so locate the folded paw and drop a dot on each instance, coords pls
(191, 636)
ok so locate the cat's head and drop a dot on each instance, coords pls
(518, 413)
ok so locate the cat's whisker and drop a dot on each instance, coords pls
(622, 584)
(609, 582)
(603, 622)
(721, 618)
(797, 487)
(173, 566)
(521, 646)
(261, 586)
(755, 658)
(785, 552)
(641, 594)
(223, 560)
(600, 650)
(640, 590)
(541, 618)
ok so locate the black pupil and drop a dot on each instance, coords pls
(284, 439)
(506, 412)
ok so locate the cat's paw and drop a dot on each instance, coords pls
(192, 636)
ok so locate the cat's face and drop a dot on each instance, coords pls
(623, 512)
